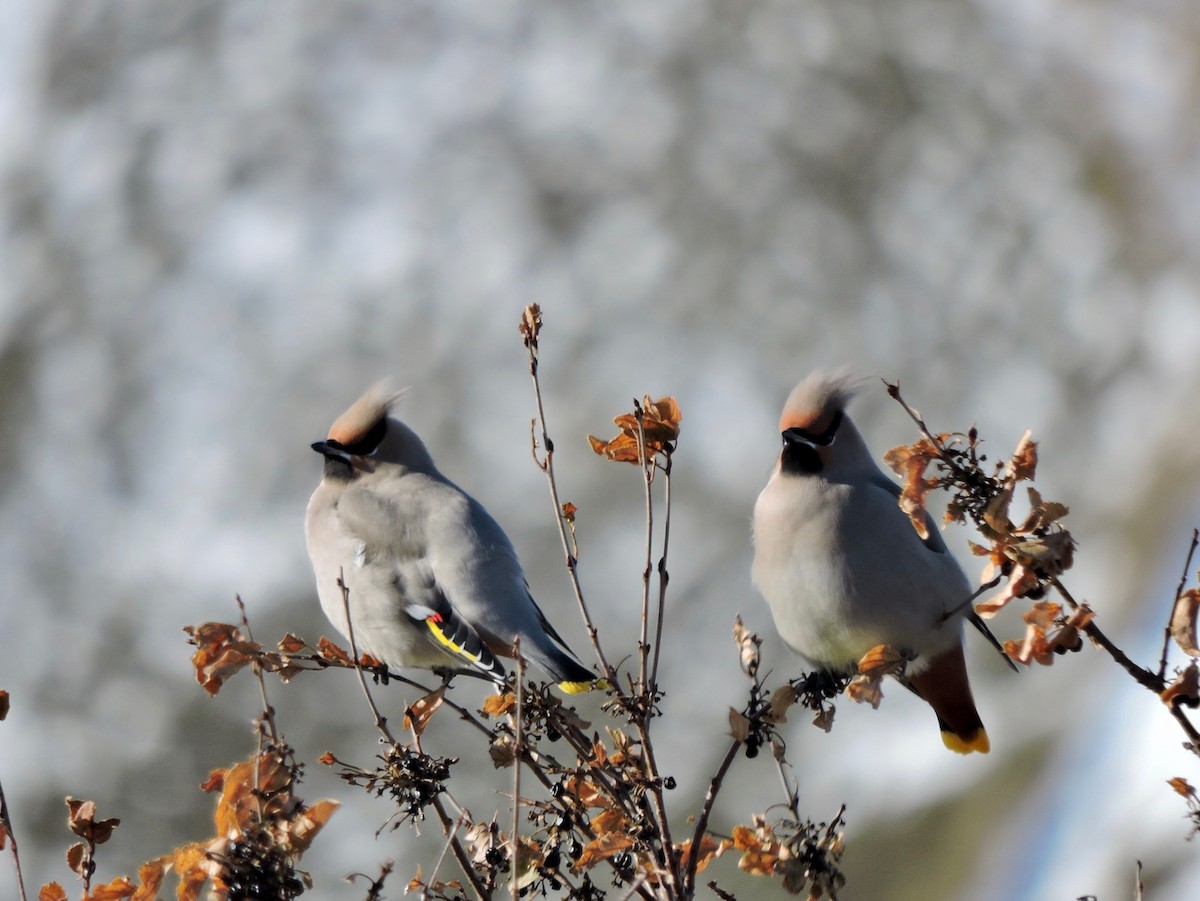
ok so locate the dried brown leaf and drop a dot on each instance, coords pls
(4, 704)
(739, 725)
(866, 690)
(1020, 580)
(417, 716)
(1182, 787)
(881, 660)
(77, 859)
(292, 644)
(117, 890)
(910, 461)
(568, 511)
(609, 820)
(150, 878)
(52, 891)
(782, 698)
(307, 822)
(1183, 622)
(602, 848)
(499, 705)
(221, 650)
(748, 644)
(1022, 466)
(824, 718)
(1185, 689)
(333, 653)
(81, 819)
(709, 849)
(531, 325)
(503, 751)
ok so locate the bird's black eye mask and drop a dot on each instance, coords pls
(800, 455)
(368, 443)
(339, 463)
(817, 439)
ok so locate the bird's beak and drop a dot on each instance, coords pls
(332, 450)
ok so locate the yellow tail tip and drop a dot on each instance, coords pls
(576, 688)
(966, 744)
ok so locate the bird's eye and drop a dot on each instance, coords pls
(369, 442)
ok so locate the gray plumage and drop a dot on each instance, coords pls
(433, 580)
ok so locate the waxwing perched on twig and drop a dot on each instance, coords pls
(433, 580)
(843, 569)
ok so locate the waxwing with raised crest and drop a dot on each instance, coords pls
(843, 570)
(432, 579)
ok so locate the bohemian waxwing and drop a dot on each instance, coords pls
(433, 580)
(843, 569)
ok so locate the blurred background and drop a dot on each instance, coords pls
(221, 221)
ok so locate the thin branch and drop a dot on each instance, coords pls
(442, 857)
(689, 865)
(1187, 568)
(517, 743)
(547, 466)
(6, 822)
(663, 576)
(380, 719)
(460, 853)
(268, 715)
(647, 481)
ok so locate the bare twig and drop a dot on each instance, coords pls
(547, 466)
(517, 745)
(380, 719)
(268, 715)
(1187, 568)
(6, 822)
(647, 483)
(663, 576)
(688, 866)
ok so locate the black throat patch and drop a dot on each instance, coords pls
(800, 455)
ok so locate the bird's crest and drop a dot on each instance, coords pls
(815, 402)
(364, 413)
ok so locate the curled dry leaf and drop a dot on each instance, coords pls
(78, 859)
(292, 644)
(1182, 787)
(81, 819)
(882, 660)
(118, 889)
(4, 704)
(603, 847)
(660, 427)
(1183, 622)
(824, 718)
(52, 891)
(568, 511)
(866, 690)
(503, 751)
(333, 653)
(739, 725)
(1022, 466)
(748, 644)
(221, 650)
(531, 324)
(417, 716)
(499, 705)
(1185, 689)
(909, 461)
(782, 698)
(709, 849)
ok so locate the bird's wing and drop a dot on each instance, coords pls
(392, 536)
(933, 536)
(937, 544)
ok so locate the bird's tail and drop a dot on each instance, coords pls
(944, 686)
(572, 676)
